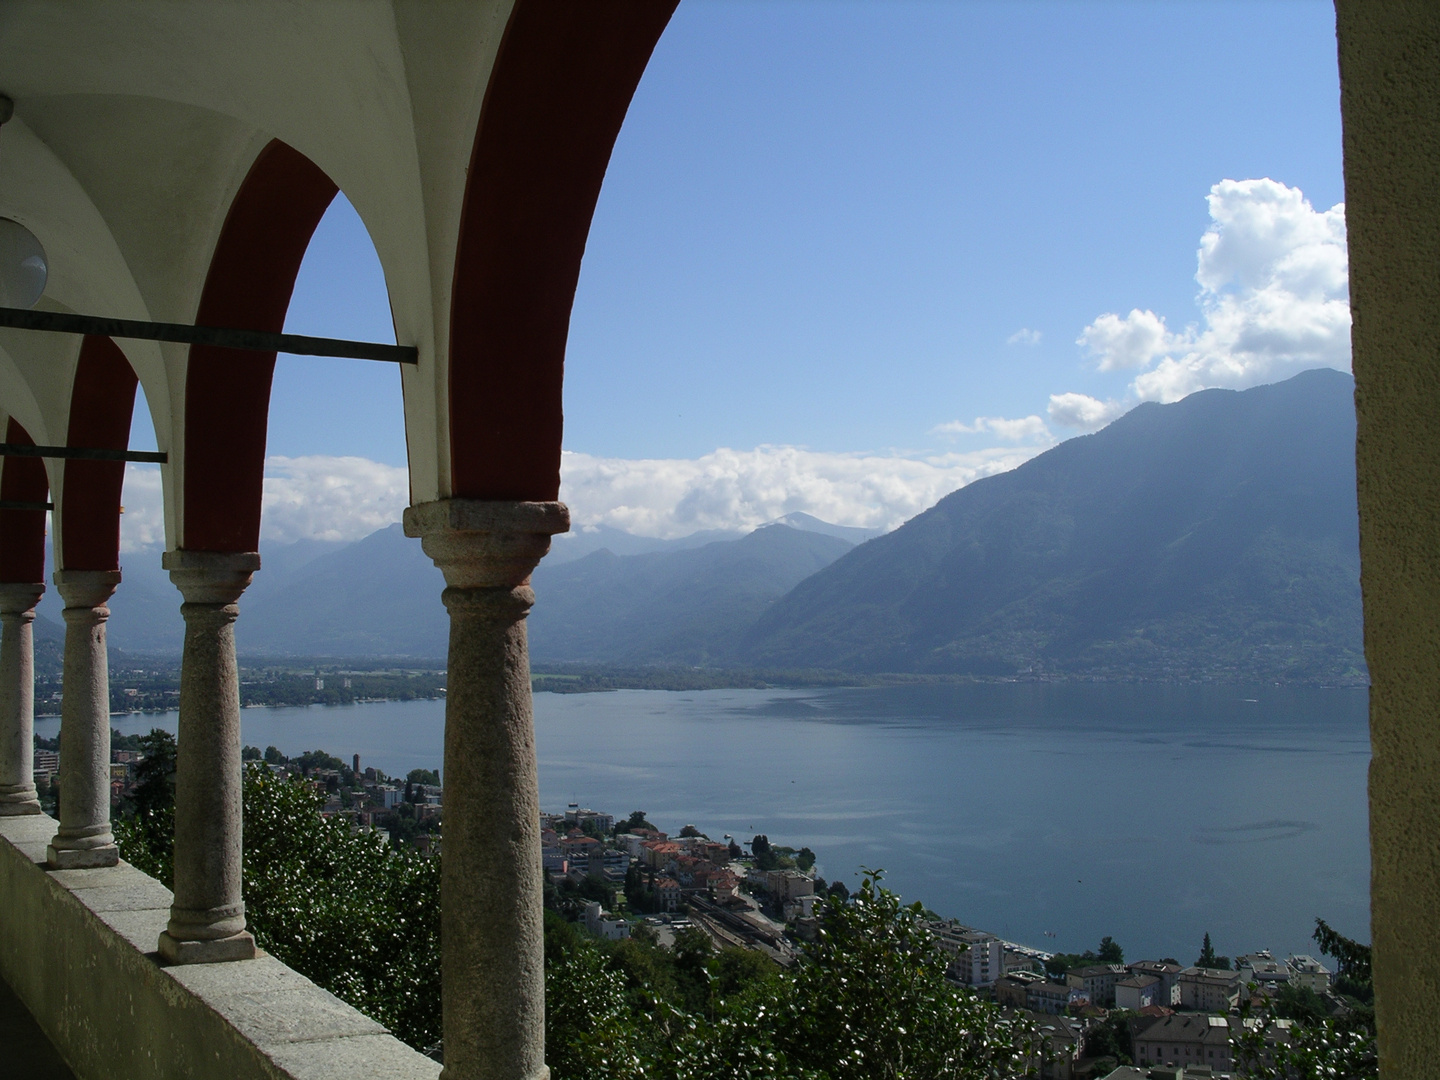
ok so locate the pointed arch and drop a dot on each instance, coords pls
(562, 83)
(101, 406)
(227, 393)
(22, 532)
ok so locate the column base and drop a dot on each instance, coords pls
(543, 1074)
(239, 946)
(81, 858)
(18, 800)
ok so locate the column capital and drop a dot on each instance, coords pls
(20, 598)
(486, 543)
(211, 577)
(86, 588)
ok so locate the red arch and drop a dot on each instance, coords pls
(563, 79)
(22, 532)
(227, 393)
(101, 404)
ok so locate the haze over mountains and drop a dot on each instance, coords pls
(1213, 537)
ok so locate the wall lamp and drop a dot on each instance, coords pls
(22, 258)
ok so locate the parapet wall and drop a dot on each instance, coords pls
(78, 948)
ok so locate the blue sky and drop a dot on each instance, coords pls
(838, 227)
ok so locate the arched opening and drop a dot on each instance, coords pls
(249, 284)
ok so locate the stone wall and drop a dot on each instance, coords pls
(78, 948)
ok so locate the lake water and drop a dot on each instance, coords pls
(1150, 813)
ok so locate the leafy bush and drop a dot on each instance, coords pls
(359, 917)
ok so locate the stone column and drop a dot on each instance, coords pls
(17, 699)
(84, 838)
(493, 978)
(1390, 108)
(207, 919)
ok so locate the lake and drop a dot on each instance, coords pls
(1150, 813)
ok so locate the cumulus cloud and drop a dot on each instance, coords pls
(317, 497)
(1118, 344)
(330, 498)
(346, 498)
(142, 525)
(1024, 336)
(1274, 297)
(739, 489)
(1023, 429)
(1083, 411)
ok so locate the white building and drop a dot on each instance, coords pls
(1137, 992)
(1262, 969)
(1309, 972)
(983, 961)
(604, 925)
(1209, 989)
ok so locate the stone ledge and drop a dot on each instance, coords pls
(77, 946)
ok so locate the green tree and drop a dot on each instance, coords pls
(636, 820)
(1352, 962)
(1109, 952)
(358, 917)
(734, 971)
(1111, 1038)
(590, 1026)
(274, 757)
(145, 827)
(423, 776)
(1208, 959)
(250, 753)
(868, 1000)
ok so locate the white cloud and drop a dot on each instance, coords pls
(1274, 295)
(346, 498)
(1024, 336)
(739, 489)
(1118, 344)
(1083, 411)
(330, 498)
(318, 497)
(142, 525)
(1023, 429)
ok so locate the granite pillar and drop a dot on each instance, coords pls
(207, 919)
(493, 979)
(17, 698)
(84, 838)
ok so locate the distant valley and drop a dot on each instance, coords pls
(1212, 538)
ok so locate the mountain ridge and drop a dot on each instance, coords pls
(1217, 535)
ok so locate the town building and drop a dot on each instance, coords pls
(604, 925)
(1209, 989)
(667, 891)
(1011, 989)
(1048, 997)
(1185, 1040)
(1097, 981)
(1167, 973)
(1308, 972)
(1137, 992)
(1263, 969)
(577, 816)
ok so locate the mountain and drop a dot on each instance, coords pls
(588, 539)
(381, 597)
(687, 606)
(145, 610)
(806, 523)
(1214, 536)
